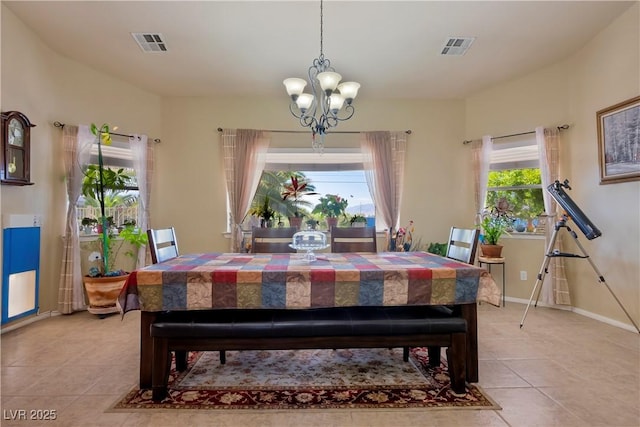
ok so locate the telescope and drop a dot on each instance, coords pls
(556, 189)
(588, 229)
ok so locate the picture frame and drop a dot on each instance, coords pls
(619, 142)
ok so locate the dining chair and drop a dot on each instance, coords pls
(462, 244)
(162, 244)
(272, 240)
(353, 239)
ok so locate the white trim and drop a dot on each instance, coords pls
(585, 313)
(522, 236)
(28, 320)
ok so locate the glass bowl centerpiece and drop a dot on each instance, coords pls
(309, 241)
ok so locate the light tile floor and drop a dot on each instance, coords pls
(561, 369)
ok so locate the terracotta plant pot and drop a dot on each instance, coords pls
(103, 292)
(491, 251)
(332, 222)
(295, 221)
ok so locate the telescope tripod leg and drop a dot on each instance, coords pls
(541, 275)
(601, 280)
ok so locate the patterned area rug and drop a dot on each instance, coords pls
(309, 379)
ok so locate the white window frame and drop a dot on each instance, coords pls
(518, 152)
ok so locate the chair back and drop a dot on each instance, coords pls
(272, 240)
(353, 239)
(162, 244)
(463, 243)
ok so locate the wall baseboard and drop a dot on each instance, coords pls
(585, 313)
(28, 320)
(598, 317)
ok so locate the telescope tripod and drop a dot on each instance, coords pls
(551, 253)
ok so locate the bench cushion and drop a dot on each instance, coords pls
(321, 322)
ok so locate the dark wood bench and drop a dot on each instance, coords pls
(281, 329)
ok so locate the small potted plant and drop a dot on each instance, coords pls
(358, 220)
(264, 212)
(494, 224)
(331, 206)
(88, 224)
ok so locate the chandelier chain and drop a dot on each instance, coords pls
(321, 31)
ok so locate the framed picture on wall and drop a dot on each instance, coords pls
(619, 142)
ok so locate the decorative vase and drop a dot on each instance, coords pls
(332, 222)
(491, 251)
(102, 293)
(530, 227)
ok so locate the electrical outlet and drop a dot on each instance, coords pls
(523, 275)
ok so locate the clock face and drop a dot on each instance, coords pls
(16, 133)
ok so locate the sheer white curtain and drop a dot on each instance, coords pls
(555, 289)
(384, 159)
(143, 164)
(481, 161)
(76, 141)
(244, 152)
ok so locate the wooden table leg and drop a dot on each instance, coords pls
(146, 348)
(470, 313)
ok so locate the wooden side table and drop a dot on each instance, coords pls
(495, 261)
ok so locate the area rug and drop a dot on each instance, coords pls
(309, 379)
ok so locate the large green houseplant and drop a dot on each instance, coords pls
(104, 282)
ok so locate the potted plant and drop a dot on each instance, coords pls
(437, 248)
(331, 206)
(264, 212)
(88, 224)
(104, 282)
(294, 190)
(358, 220)
(494, 224)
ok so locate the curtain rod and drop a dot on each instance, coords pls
(408, 132)
(561, 127)
(61, 125)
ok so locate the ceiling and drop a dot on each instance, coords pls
(247, 48)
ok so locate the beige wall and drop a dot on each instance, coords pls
(47, 88)
(191, 196)
(602, 73)
(188, 190)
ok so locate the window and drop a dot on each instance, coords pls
(120, 205)
(515, 175)
(337, 171)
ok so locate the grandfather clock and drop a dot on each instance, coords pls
(16, 149)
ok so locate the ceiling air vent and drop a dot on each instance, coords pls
(457, 45)
(150, 42)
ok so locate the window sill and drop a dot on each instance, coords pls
(523, 236)
(379, 234)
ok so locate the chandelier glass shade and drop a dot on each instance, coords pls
(329, 102)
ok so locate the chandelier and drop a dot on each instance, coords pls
(329, 102)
